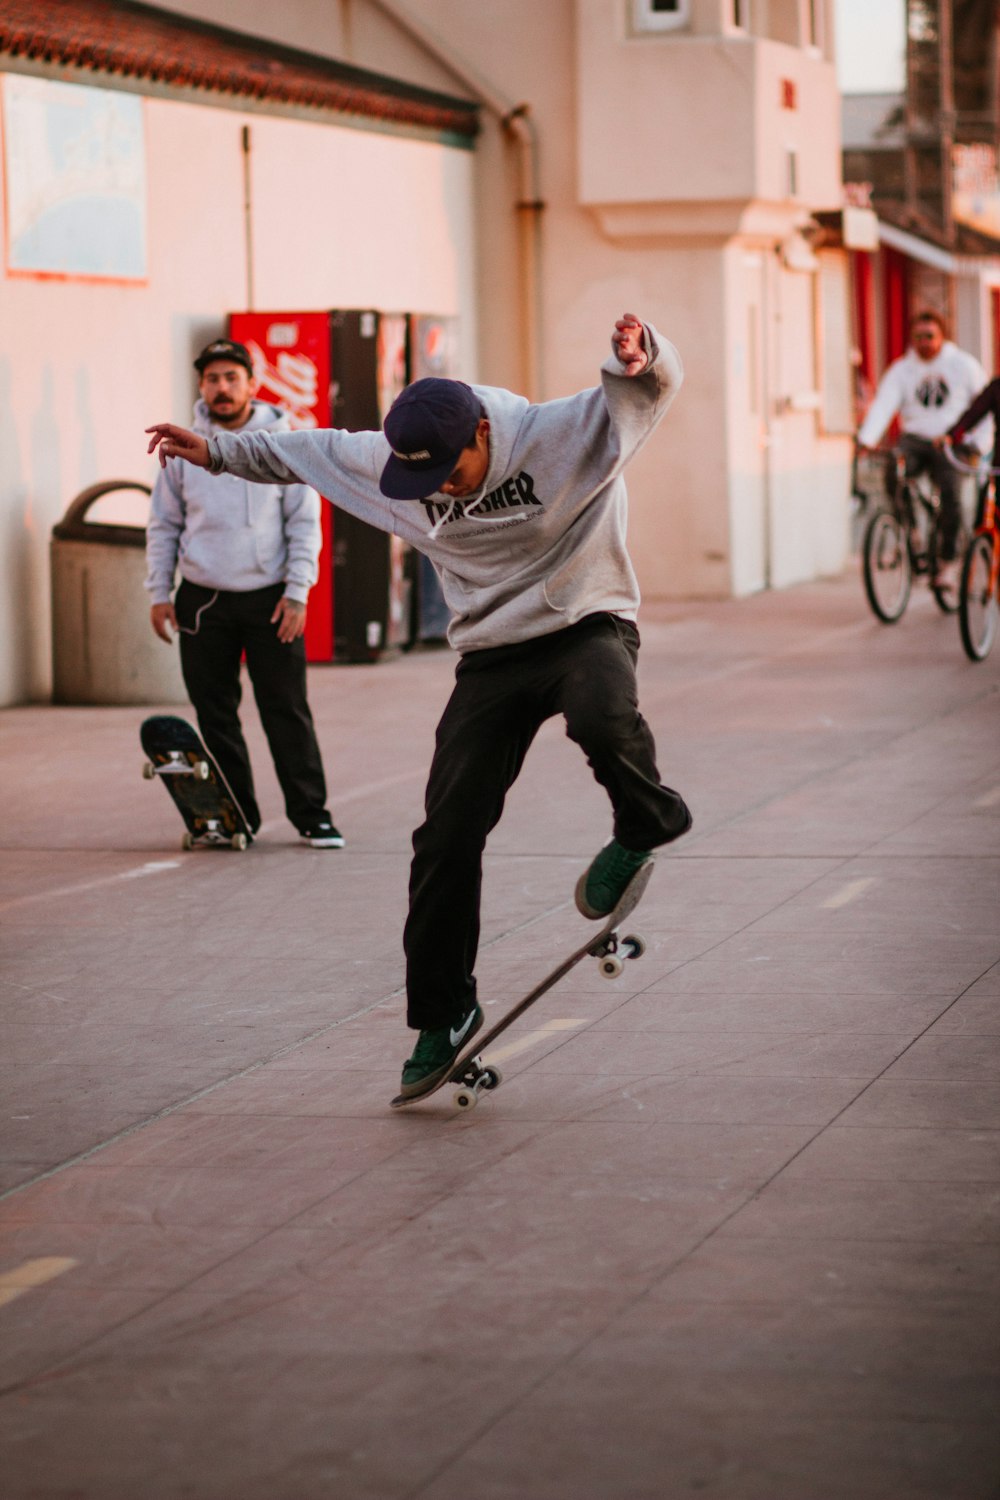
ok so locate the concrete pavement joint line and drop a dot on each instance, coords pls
(727, 937)
(151, 867)
(524, 1396)
(357, 793)
(240, 1073)
(32, 1273)
(721, 941)
(170, 1109)
(823, 773)
(541, 916)
(755, 663)
(322, 1031)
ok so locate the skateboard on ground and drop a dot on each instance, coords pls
(208, 807)
(470, 1072)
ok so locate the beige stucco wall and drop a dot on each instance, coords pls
(663, 170)
(85, 366)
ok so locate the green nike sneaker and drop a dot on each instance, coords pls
(435, 1054)
(600, 887)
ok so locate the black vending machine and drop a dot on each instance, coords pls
(372, 571)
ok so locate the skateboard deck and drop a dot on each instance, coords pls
(178, 758)
(469, 1071)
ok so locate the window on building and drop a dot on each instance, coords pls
(740, 14)
(660, 15)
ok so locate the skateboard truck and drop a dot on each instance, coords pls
(178, 765)
(475, 1077)
(475, 1080)
(614, 953)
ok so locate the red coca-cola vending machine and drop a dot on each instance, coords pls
(341, 369)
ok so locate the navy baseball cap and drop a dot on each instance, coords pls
(224, 349)
(428, 426)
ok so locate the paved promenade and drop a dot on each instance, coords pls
(731, 1226)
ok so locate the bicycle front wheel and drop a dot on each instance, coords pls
(886, 564)
(978, 610)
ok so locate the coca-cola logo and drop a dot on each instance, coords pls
(291, 381)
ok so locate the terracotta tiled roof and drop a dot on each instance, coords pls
(143, 42)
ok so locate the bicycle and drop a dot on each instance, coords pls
(979, 589)
(902, 541)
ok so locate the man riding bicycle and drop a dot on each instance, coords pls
(929, 387)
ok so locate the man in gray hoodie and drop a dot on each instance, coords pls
(248, 556)
(522, 509)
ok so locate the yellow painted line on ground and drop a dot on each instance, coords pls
(530, 1039)
(989, 799)
(848, 893)
(32, 1273)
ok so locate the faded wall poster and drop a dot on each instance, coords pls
(75, 180)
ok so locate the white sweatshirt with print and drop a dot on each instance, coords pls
(543, 543)
(929, 395)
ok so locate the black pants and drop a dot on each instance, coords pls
(501, 698)
(923, 458)
(216, 629)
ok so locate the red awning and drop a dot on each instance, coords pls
(126, 40)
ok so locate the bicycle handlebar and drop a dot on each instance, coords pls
(979, 470)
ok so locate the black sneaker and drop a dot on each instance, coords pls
(322, 835)
(436, 1052)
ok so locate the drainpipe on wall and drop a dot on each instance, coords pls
(518, 125)
(246, 144)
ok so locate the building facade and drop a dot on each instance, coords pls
(530, 171)
(926, 162)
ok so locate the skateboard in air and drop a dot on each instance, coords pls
(179, 759)
(470, 1072)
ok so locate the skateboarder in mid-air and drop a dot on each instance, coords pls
(522, 510)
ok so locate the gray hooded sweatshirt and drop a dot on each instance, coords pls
(230, 534)
(543, 543)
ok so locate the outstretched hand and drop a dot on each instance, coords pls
(626, 341)
(169, 441)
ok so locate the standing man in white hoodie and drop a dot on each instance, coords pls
(522, 510)
(248, 556)
(929, 387)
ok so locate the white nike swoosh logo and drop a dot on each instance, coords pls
(458, 1036)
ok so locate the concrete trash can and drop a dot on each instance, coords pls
(104, 650)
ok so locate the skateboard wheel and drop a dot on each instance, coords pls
(465, 1099)
(491, 1078)
(611, 966)
(202, 770)
(239, 841)
(187, 842)
(148, 771)
(635, 946)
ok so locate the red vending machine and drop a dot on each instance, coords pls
(341, 369)
(291, 359)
